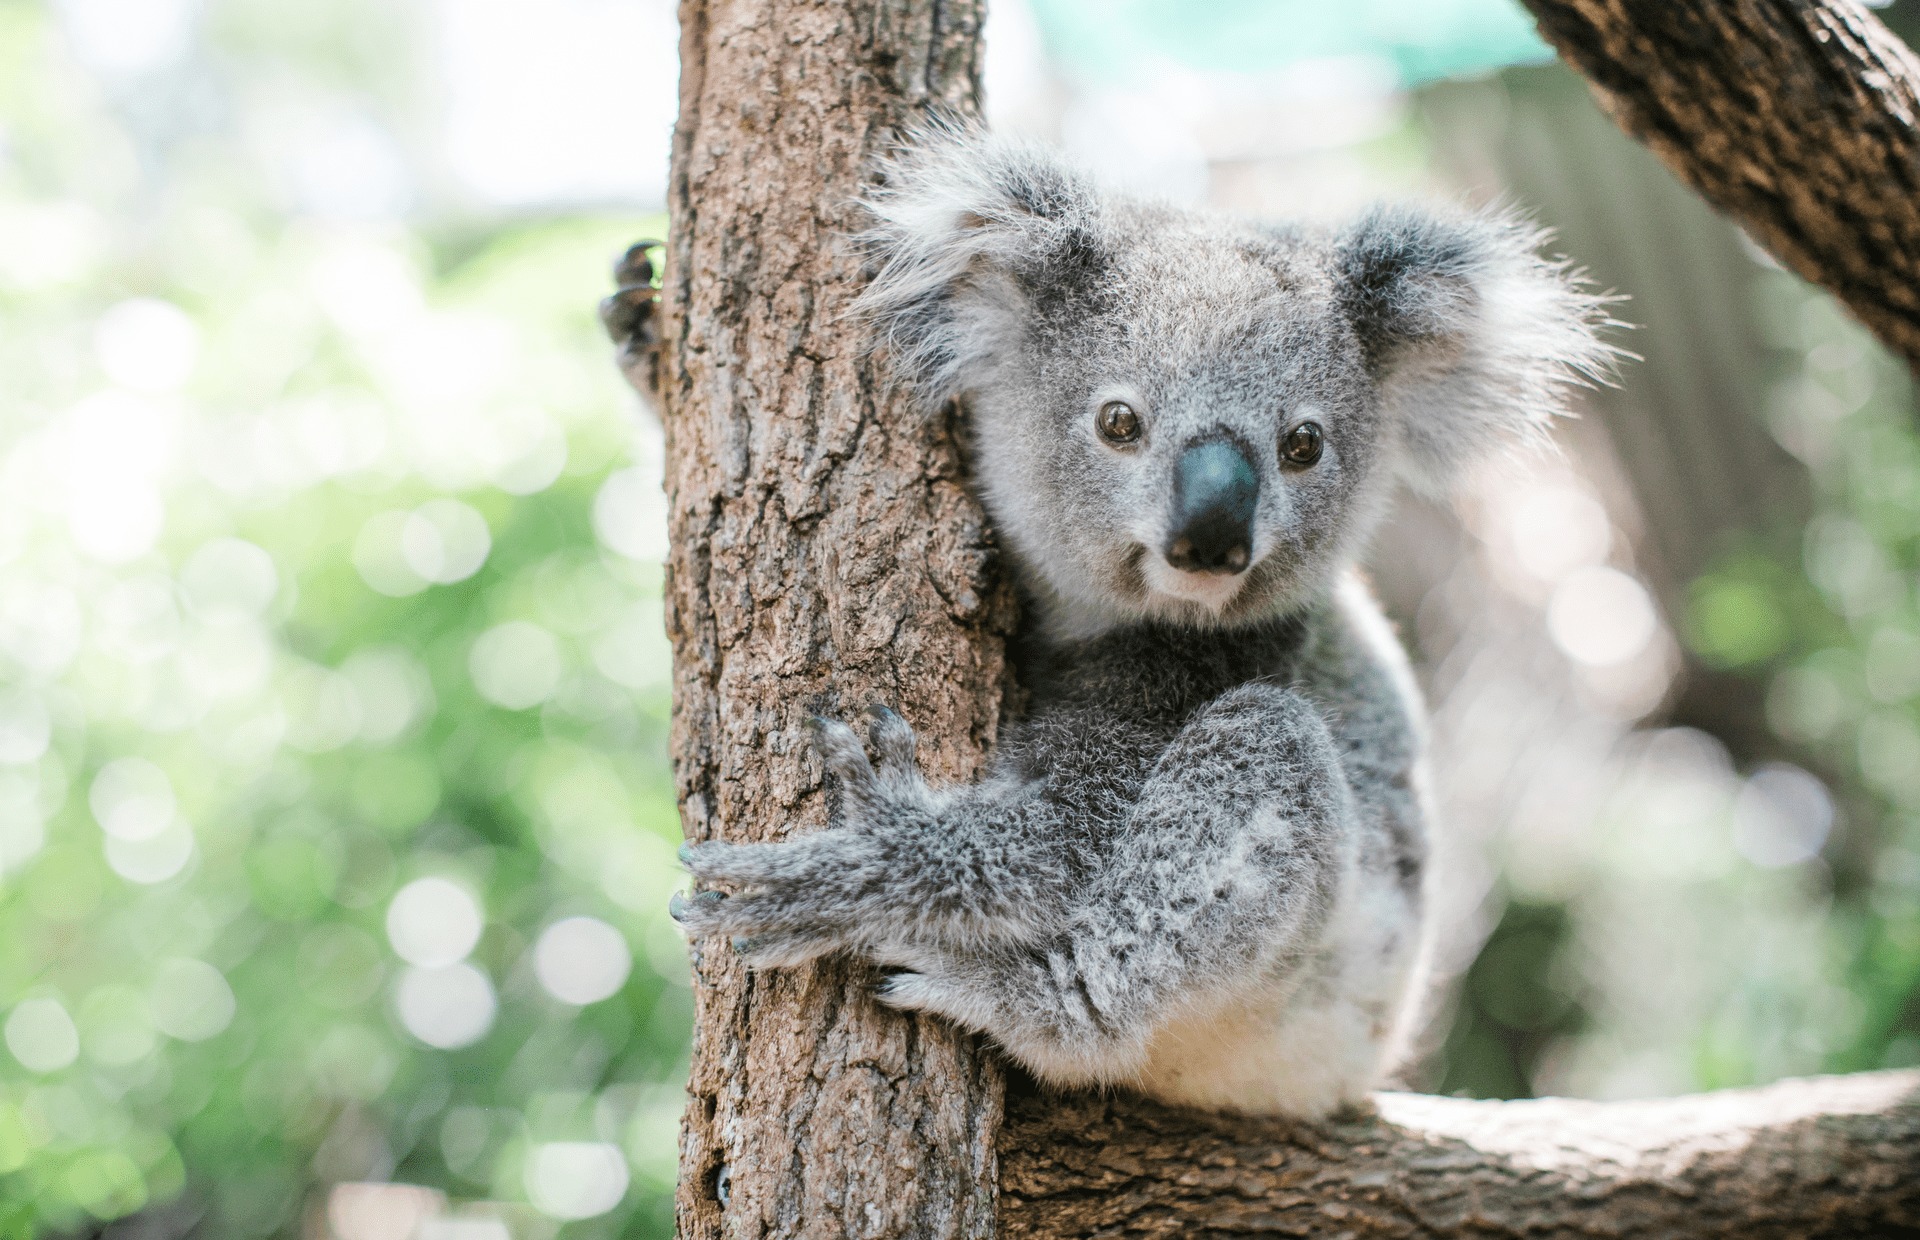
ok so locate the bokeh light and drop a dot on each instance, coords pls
(582, 960)
(191, 1000)
(41, 1035)
(576, 1179)
(433, 922)
(447, 1006)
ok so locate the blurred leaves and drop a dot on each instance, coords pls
(302, 602)
(1735, 618)
(1835, 630)
(1518, 1001)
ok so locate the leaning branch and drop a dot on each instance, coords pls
(1827, 1156)
(1798, 118)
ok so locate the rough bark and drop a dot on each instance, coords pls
(1798, 118)
(1831, 1156)
(825, 554)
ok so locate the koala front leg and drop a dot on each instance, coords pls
(1217, 884)
(906, 863)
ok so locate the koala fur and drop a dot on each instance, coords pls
(1194, 868)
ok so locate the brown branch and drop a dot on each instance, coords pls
(1828, 1156)
(1798, 118)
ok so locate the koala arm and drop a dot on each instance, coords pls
(1215, 878)
(1221, 878)
(952, 869)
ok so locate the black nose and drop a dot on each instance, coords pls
(1215, 489)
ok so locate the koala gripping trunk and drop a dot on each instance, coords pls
(826, 554)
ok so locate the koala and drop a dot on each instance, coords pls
(1194, 868)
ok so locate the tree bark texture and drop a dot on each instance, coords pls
(1799, 118)
(1826, 1157)
(826, 554)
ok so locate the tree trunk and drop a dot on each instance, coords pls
(1798, 118)
(825, 554)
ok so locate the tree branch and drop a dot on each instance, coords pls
(1826, 1156)
(1798, 118)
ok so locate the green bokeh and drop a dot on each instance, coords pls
(206, 1007)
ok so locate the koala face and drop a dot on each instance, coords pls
(1184, 429)
(1181, 416)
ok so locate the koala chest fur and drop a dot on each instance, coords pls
(1194, 868)
(1271, 775)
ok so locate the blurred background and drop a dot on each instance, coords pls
(335, 822)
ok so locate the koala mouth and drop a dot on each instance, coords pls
(1209, 547)
(1211, 589)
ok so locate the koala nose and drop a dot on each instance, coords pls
(1215, 489)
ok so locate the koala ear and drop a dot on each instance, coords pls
(964, 225)
(1473, 338)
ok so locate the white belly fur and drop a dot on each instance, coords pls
(1309, 1044)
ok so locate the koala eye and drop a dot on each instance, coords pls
(1117, 422)
(1301, 445)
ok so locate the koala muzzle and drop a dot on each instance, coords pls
(1215, 490)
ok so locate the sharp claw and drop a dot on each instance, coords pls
(636, 265)
(679, 904)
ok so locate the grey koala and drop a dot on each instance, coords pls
(1194, 868)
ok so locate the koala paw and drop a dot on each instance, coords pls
(631, 316)
(836, 888)
(871, 794)
(942, 988)
(779, 889)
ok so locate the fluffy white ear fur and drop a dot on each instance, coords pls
(1474, 338)
(959, 211)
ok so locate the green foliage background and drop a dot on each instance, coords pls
(322, 741)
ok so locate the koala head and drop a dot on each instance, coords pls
(1183, 416)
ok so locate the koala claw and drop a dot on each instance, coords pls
(778, 950)
(632, 319)
(685, 909)
(635, 267)
(905, 989)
